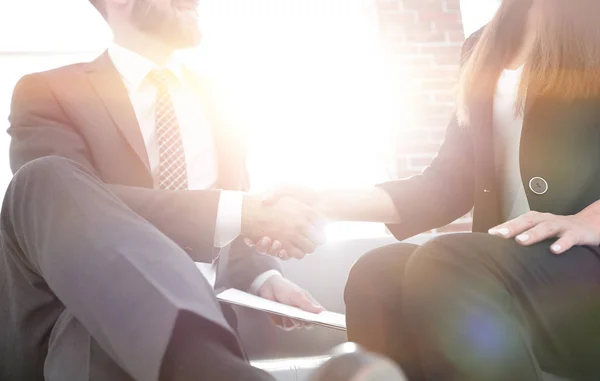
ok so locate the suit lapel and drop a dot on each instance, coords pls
(107, 83)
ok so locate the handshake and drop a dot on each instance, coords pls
(288, 223)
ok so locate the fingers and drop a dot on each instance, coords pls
(535, 227)
(519, 225)
(249, 242)
(542, 231)
(305, 301)
(285, 323)
(308, 326)
(291, 226)
(303, 244)
(263, 245)
(283, 255)
(275, 248)
(564, 243)
(294, 252)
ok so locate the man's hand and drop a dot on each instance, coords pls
(297, 227)
(281, 290)
(534, 227)
(272, 245)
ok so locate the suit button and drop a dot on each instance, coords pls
(538, 185)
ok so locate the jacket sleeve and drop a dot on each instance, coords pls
(444, 192)
(39, 128)
(242, 266)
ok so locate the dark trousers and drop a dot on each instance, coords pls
(473, 307)
(91, 291)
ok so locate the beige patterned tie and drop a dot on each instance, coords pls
(172, 174)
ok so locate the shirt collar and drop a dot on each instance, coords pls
(134, 68)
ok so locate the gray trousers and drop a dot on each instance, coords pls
(88, 289)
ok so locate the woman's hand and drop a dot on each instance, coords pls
(533, 227)
(269, 246)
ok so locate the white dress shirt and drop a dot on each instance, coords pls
(197, 138)
(507, 140)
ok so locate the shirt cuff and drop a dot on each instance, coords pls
(229, 218)
(260, 280)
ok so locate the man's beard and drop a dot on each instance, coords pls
(164, 25)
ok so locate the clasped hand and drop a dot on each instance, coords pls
(283, 223)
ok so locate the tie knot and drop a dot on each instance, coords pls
(161, 77)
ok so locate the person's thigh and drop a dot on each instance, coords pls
(490, 293)
(373, 297)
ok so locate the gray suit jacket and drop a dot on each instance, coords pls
(82, 112)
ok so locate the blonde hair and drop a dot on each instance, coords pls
(563, 63)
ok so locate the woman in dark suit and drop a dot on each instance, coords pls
(520, 294)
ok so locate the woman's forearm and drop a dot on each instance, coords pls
(368, 204)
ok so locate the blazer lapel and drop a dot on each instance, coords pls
(107, 82)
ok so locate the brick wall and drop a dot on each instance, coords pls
(423, 41)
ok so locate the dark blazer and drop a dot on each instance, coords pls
(559, 159)
(83, 112)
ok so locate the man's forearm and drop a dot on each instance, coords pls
(368, 204)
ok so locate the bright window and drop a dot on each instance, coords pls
(308, 77)
(477, 13)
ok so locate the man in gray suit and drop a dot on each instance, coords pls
(126, 172)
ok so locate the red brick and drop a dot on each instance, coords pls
(439, 17)
(431, 5)
(424, 37)
(423, 40)
(444, 98)
(388, 5)
(440, 50)
(451, 5)
(454, 36)
(399, 18)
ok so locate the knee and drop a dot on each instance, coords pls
(371, 275)
(44, 171)
(451, 261)
(40, 167)
(40, 176)
(43, 167)
(466, 250)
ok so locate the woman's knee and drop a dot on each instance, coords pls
(450, 262)
(374, 273)
(467, 250)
